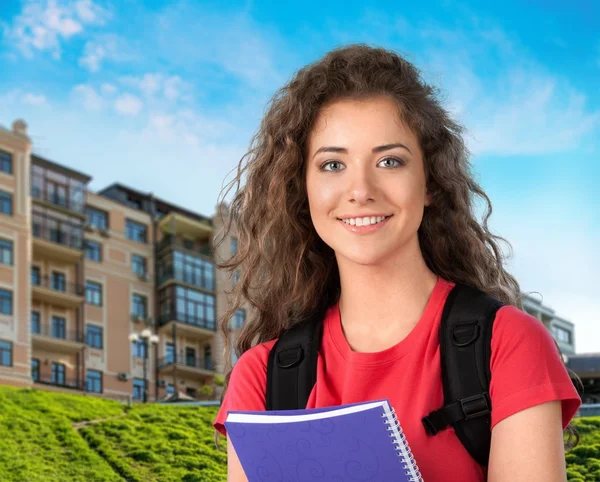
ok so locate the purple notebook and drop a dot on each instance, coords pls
(355, 442)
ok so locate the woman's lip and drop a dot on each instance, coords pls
(365, 229)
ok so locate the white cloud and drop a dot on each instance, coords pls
(34, 99)
(108, 89)
(87, 97)
(128, 104)
(519, 110)
(44, 25)
(159, 86)
(102, 48)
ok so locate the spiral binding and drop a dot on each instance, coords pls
(409, 463)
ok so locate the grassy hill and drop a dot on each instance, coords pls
(44, 437)
(47, 437)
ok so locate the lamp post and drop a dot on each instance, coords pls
(148, 339)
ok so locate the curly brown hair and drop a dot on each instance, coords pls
(286, 270)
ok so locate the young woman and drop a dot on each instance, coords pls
(358, 190)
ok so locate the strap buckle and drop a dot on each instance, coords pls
(476, 406)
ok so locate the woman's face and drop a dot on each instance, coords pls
(362, 162)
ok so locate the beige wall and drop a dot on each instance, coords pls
(15, 328)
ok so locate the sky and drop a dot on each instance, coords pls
(165, 97)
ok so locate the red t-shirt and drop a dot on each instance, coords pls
(525, 364)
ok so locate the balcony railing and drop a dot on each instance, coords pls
(67, 287)
(174, 242)
(73, 383)
(58, 333)
(71, 237)
(188, 361)
(192, 277)
(187, 319)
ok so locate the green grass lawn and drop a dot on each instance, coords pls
(42, 438)
(39, 442)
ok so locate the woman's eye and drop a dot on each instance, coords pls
(336, 166)
(392, 160)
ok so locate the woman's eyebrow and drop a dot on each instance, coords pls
(343, 150)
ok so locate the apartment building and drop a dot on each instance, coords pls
(113, 293)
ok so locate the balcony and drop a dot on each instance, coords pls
(63, 245)
(187, 325)
(187, 365)
(202, 247)
(184, 225)
(65, 294)
(66, 341)
(61, 382)
(194, 277)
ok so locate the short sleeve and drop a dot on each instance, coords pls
(526, 367)
(247, 384)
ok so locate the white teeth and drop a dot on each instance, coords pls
(366, 221)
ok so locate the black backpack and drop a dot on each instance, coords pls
(465, 346)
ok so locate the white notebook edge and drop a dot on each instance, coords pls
(400, 439)
(260, 418)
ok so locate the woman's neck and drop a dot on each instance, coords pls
(387, 298)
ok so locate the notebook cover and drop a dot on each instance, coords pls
(351, 447)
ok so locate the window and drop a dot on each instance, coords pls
(138, 348)
(6, 353)
(35, 322)
(169, 353)
(93, 251)
(59, 327)
(561, 334)
(58, 373)
(6, 302)
(97, 218)
(139, 306)
(93, 336)
(6, 252)
(6, 162)
(190, 392)
(190, 357)
(35, 369)
(208, 357)
(66, 230)
(238, 319)
(138, 389)
(187, 268)
(36, 278)
(54, 187)
(93, 381)
(59, 281)
(135, 231)
(6, 203)
(188, 306)
(138, 264)
(234, 245)
(236, 276)
(170, 389)
(93, 293)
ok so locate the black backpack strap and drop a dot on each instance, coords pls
(292, 365)
(465, 350)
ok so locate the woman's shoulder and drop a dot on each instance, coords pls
(513, 325)
(255, 357)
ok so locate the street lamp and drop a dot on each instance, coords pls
(149, 339)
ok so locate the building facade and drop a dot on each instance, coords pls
(115, 293)
(83, 274)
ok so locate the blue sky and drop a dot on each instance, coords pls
(164, 97)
